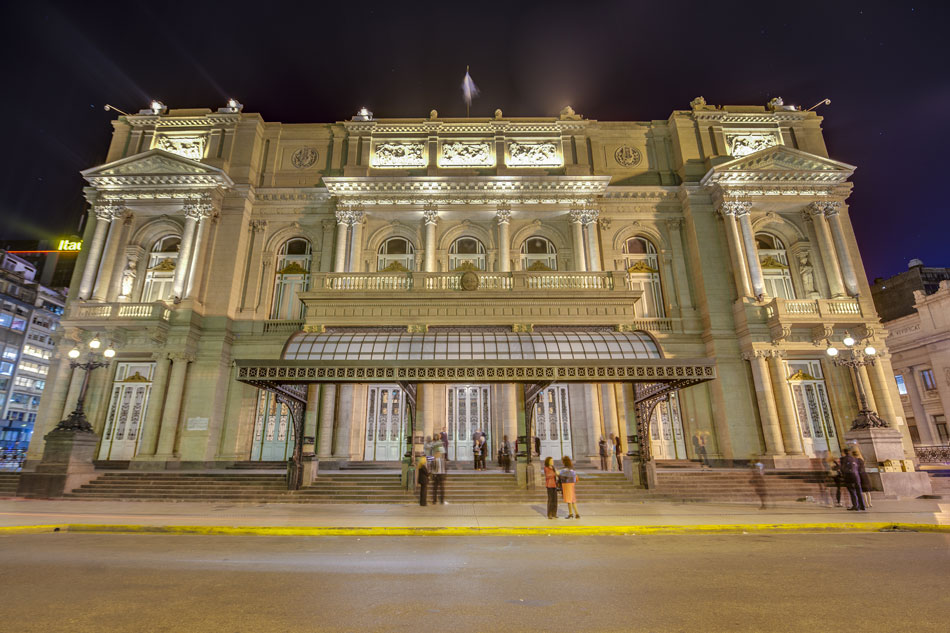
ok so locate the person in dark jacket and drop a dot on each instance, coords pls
(852, 479)
(422, 478)
(537, 445)
(550, 485)
(863, 477)
(438, 477)
(603, 453)
(618, 453)
(505, 454)
(834, 472)
(445, 442)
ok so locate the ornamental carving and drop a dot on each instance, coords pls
(627, 156)
(584, 216)
(824, 207)
(466, 155)
(533, 155)
(304, 157)
(469, 281)
(350, 216)
(399, 155)
(735, 207)
(192, 147)
(745, 144)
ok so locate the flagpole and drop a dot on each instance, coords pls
(468, 104)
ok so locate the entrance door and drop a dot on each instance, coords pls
(552, 422)
(385, 423)
(273, 430)
(468, 412)
(811, 407)
(130, 392)
(666, 430)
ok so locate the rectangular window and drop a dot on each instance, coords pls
(927, 377)
(940, 421)
(10, 353)
(5, 319)
(6, 369)
(23, 381)
(901, 387)
(18, 324)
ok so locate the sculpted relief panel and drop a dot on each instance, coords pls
(744, 144)
(399, 155)
(533, 154)
(192, 147)
(458, 154)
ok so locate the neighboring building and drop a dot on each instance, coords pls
(920, 344)
(460, 266)
(894, 296)
(28, 320)
(54, 262)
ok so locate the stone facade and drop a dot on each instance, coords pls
(723, 232)
(920, 345)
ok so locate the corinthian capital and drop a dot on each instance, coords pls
(735, 207)
(108, 210)
(503, 214)
(824, 207)
(350, 215)
(198, 208)
(430, 214)
(585, 216)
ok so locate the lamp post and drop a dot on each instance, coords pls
(76, 421)
(855, 358)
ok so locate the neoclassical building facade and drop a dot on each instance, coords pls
(218, 239)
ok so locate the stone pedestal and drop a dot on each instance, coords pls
(643, 476)
(311, 465)
(879, 445)
(66, 465)
(526, 474)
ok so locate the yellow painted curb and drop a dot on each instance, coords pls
(605, 530)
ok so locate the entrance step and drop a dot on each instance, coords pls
(8, 484)
(279, 465)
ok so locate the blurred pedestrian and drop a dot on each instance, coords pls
(550, 485)
(537, 446)
(699, 447)
(759, 485)
(445, 442)
(836, 476)
(568, 479)
(852, 479)
(422, 478)
(863, 477)
(603, 453)
(438, 476)
(506, 454)
(618, 453)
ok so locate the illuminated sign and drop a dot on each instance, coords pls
(68, 245)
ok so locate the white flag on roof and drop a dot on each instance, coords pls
(469, 89)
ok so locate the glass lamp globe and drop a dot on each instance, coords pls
(870, 351)
(95, 343)
(73, 353)
(109, 353)
(831, 351)
(848, 340)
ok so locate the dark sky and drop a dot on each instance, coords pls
(884, 66)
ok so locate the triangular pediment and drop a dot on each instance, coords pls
(779, 163)
(155, 166)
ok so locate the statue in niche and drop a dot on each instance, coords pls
(128, 278)
(807, 274)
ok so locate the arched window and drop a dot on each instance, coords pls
(396, 254)
(643, 267)
(775, 271)
(292, 277)
(160, 273)
(467, 252)
(538, 253)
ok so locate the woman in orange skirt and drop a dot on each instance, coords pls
(568, 479)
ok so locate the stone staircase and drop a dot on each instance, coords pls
(8, 484)
(165, 486)
(735, 485)
(940, 481)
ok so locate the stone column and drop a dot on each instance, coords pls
(678, 267)
(577, 231)
(882, 396)
(751, 252)
(356, 241)
(425, 412)
(171, 415)
(313, 410)
(509, 407)
(342, 226)
(196, 255)
(841, 247)
(72, 393)
(739, 268)
(771, 431)
(829, 260)
(593, 241)
(193, 213)
(431, 218)
(928, 434)
(503, 217)
(156, 404)
(608, 401)
(104, 216)
(118, 257)
(791, 435)
(325, 432)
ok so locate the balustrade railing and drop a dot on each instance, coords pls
(155, 311)
(810, 308)
(513, 281)
(939, 454)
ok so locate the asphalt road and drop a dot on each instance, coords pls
(698, 583)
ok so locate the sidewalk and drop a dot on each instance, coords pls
(309, 519)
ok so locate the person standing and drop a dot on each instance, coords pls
(445, 442)
(834, 474)
(568, 480)
(618, 453)
(537, 446)
(438, 476)
(852, 479)
(422, 478)
(758, 484)
(863, 477)
(506, 454)
(603, 453)
(699, 445)
(550, 485)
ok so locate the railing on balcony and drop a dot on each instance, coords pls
(512, 281)
(282, 326)
(805, 309)
(933, 454)
(144, 311)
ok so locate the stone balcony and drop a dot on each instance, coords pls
(521, 299)
(815, 312)
(131, 323)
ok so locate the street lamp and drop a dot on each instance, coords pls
(855, 358)
(76, 421)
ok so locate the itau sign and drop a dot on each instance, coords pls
(69, 245)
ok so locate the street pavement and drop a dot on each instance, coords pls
(84, 583)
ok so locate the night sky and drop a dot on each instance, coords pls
(883, 65)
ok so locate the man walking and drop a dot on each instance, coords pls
(438, 475)
(603, 453)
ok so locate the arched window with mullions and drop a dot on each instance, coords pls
(160, 272)
(467, 252)
(291, 278)
(775, 270)
(538, 253)
(396, 255)
(643, 267)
